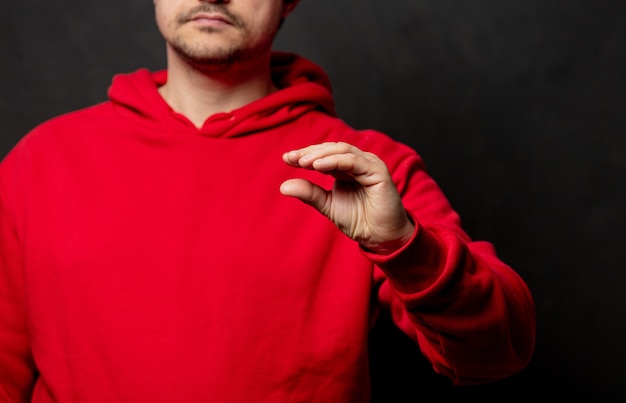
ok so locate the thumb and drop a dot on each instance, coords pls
(306, 192)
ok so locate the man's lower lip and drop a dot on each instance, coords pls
(211, 23)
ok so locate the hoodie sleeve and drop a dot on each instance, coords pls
(17, 370)
(471, 314)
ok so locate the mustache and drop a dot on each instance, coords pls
(211, 8)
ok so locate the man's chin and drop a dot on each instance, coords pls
(215, 56)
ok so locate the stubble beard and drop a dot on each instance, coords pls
(211, 57)
(205, 55)
(208, 55)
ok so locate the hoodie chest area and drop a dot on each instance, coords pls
(135, 198)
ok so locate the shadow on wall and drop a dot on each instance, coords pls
(401, 374)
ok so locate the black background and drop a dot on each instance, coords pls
(518, 108)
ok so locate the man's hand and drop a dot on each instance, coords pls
(363, 202)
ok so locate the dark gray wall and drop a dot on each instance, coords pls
(518, 108)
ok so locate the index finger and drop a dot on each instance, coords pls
(304, 157)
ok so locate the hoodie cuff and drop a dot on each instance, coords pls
(415, 266)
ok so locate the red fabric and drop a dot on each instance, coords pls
(144, 260)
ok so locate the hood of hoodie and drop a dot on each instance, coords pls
(302, 86)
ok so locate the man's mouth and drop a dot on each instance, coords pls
(211, 18)
(211, 15)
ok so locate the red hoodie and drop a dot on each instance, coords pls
(145, 260)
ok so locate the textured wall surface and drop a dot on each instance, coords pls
(518, 108)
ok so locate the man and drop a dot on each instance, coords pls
(214, 233)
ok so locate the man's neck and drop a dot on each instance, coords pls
(200, 94)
